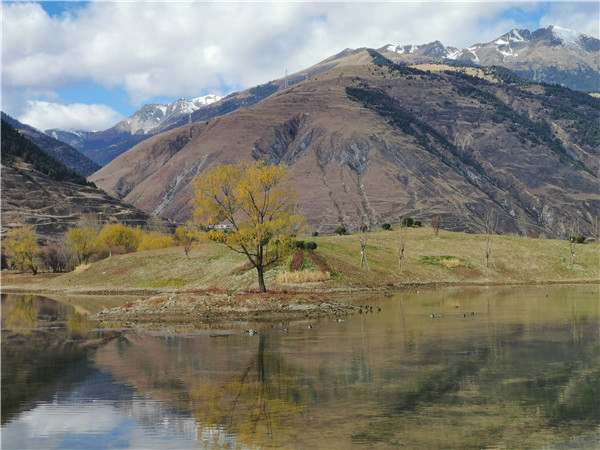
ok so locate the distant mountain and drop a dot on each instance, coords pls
(103, 146)
(552, 55)
(369, 141)
(58, 150)
(38, 190)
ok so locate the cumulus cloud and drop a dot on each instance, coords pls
(174, 49)
(45, 115)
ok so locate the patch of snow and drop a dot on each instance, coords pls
(569, 37)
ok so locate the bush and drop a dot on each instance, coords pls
(121, 236)
(311, 245)
(386, 226)
(154, 240)
(340, 230)
(579, 239)
(300, 244)
(315, 233)
(417, 223)
(407, 222)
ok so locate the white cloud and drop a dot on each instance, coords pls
(174, 49)
(45, 115)
(582, 17)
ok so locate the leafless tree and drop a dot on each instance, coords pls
(402, 235)
(573, 233)
(436, 223)
(596, 227)
(490, 223)
(91, 220)
(363, 238)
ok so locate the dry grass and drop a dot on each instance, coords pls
(303, 276)
(82, 267)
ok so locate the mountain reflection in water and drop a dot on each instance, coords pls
(513, 367)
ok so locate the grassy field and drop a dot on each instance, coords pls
(450, 258)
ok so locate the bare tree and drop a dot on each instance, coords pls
(596, 227)
(490, 223)
(402, 235)
(91, 220)
(573, 233)
(436, 224)
(363, 238)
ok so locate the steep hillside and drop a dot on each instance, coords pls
(370, 143)
(57, 149)
(38, 190)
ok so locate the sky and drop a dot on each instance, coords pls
(88, 65)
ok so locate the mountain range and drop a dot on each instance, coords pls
(372, 136)
(552, 55)
(368, 141)
(103, 146)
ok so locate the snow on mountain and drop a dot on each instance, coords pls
(506, 46)
(149, 117)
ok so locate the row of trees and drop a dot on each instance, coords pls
(82, 244)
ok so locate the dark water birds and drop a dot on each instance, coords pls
(360, 311)
(378, 309)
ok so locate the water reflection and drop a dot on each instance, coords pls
(508, 367)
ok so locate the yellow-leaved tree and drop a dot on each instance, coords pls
(248, 207)
(21, 246)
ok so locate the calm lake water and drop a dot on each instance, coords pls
(494, 368)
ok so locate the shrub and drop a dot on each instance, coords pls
(407, 222)
(153, 241)
(579, 239)
(364, 228)
(315, 233)
(417, 223)
(311, 245)
(300, 244)
(386, 226)
(340, 230)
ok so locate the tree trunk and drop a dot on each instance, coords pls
(261, 279)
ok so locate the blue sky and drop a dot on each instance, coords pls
(87, 65)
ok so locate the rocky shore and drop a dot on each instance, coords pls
(203, 308)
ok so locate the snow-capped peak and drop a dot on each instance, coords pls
(149, 117)
(568, 37)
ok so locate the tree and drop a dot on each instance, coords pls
(402, 235)
(256, 202)
(436, 224)
(340, 230)
(407, 222)
(184, 236)
(120, 237)
(82, 241)
(490, 222)
(386, 226)
(20, 247)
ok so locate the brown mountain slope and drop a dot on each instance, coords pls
(30, 197)
(368, 144)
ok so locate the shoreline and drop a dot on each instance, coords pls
(215, 306)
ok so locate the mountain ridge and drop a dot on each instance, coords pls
(371, 141)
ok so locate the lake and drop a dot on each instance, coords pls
(509, 367)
